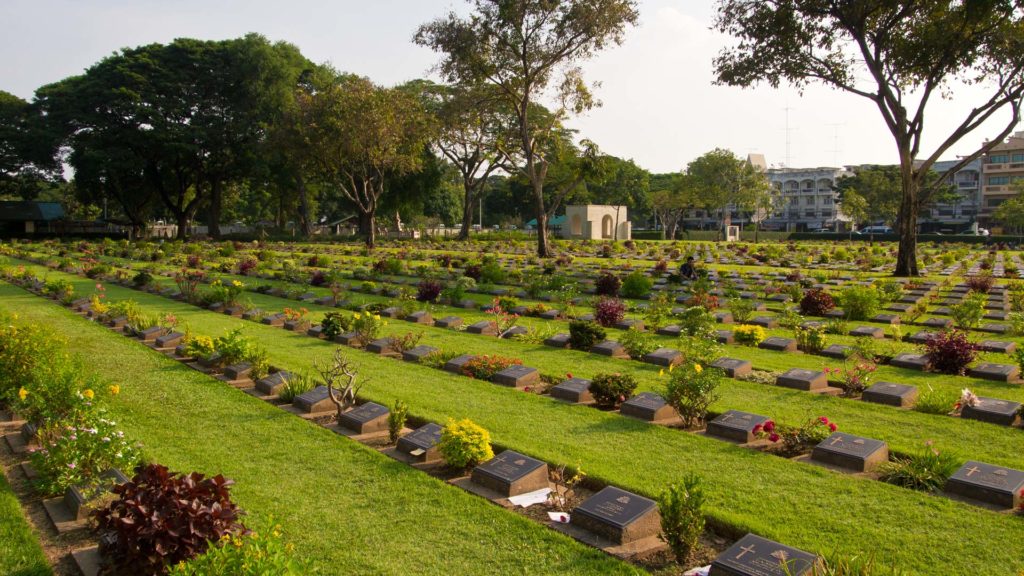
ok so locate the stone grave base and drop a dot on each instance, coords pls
(8, 421)
(61, 517)
(241, 383)
(29, 471)
(308, 415)
(467, 484)
(255, 393)
(758, 444)
(417, 462)
(16, 442)
(806, 459)
(978, 503)
(87, 560)
(624, 551)
(339, 429)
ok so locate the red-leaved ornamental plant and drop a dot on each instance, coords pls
(609, 311)
(796, 440)
(950, 352)
(161, 518)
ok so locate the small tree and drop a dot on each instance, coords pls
(339, 376)
(1011, 212)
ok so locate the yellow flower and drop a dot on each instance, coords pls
(88, 393)
(376, 317)
(355, 316)
(115, 389)
(671, 367)
(22, 394)
(697, 368)
(237, 284)
(661, 372)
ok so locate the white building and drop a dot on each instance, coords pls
(967, 182)
(805, 199)
(596, 222)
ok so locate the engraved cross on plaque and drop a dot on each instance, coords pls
(836, 440)
(972, 470)
(745, 549)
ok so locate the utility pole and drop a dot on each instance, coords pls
(481, 213)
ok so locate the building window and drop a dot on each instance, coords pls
(809, 200)
(993, 202)
(997, 159)
(827, 200)
(809, 213)
(1018, 157)
(998, 180)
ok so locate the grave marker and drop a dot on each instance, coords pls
(511, 474)
(735, 425)
(367, 418)
(891, 394)
(517, 376)
(619, 516)
(801, 379)
(852, 452)
(425, 439)
(573, 390)
(756, 556)
(987, 483)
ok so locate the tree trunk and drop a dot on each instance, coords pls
(542, 234)
(183, 221)
(906, 257)
(213, 223)
(467, 211)
(673, 229)
(304, 219)
(368, 228)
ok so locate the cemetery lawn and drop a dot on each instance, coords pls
(20, 553)
(801, 505)
(347, 508)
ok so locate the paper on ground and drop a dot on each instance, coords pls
(560, 517)
(531, 498)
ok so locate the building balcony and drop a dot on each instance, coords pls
(1003, 168)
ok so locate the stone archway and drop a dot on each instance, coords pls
(576, 225)
(606, 226)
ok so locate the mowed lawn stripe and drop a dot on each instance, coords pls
(346, 507)
(801, 505)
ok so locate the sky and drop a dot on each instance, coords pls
(660, 106)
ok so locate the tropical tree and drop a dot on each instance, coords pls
(359, 136)
(897, 55)
(855, 207)
(528, 50)
(1010, 213)
(726, 181)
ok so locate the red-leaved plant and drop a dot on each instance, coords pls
(161, 518)
(950, 352)
(609, 311)
(816, 302)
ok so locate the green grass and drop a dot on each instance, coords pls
(347, 508)
(801, 505)
(20, 553)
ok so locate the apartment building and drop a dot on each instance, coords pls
(805, 198)
(1000, 168)
(967, 182)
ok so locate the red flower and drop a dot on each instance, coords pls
(832, 427)
(774, 437)
(823, 419)
(769, 426)
(568, 375)
(757, 429)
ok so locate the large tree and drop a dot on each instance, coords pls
(360, 135)
(529, 50)
(898, 55)
(473, 134)
(726, 182)
(880, 186)
(28, 150)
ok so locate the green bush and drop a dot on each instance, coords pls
(742, 309)
(396, 420)
(932, 401)
(696, 321)
(464, 444)
(968, 313)
(691, 390)
(296, 385)
(859, 302)
(682, 522)
(811, 340)
(611, 389)
(636, 285)
(583, 335)
(335, 324)
(637, 343)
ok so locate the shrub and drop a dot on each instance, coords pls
(609, 311)
(968, 313)
(742, 309)
(161, 518)
(950, 352)
(234, 348)
(464, 444)
(636, 285)
(658, 310)
(932, 401)
(199, 346)
(637, 343)
(859, 302)
(837, 327)
(60, 389)
(396, 420)
(25, 352)
(607, 284)
(334, 324)
(76, 453)
(457, 290)
(889, 290)
(583, 335)
(486, 366)
(699, 349)
(611, 389)
(367, 325)
(749, 335)
(816, 302)
(681, 519)
(855, 375)
(492, 273)
(247, 266)
(811, 340)
(428, 290)
(796, 439)
(438, 358)
(142, 279)
(927, 471)
(253, 554)
(696, 321)
(691, 390)
(980, 284)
